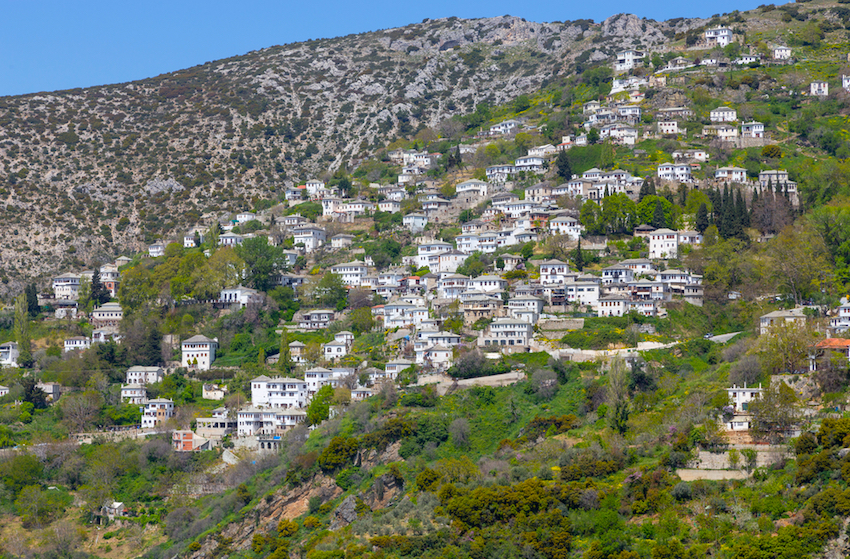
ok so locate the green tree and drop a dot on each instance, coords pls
(99, 294)
(522, 103)
(84, 295)
(771, 152)
(701, 222)
(659, 220)
(591, 217)
(22, 331)
(330, 292)
(592, 136)
(32, 300)
(362, 320)
(262, 261)
(284, 359)
(563, 168)
(775, 412)
(320, 405)
(578, 257)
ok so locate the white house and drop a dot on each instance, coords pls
(740, 397)
(77, 343)
(667, 127)
(554, 271)
(845, 82)
(313, 186)
(775, 318)
(723, 114)
(317, 319)
(135, 394)
(472, 186)
(4, 390)
(628, 59)
(157, 412)
(680, 172)
(66, 286)
(350, 272)
(752, 130)
(310, 236)
(821, 89)
(156, 250)
(389, 206)
(566, 225)
(504, 127)
(719, 36)
(721, 131)
(267, 422)
(731, 174)
(334, 350)
(507, 332)
(781, 53)
(663, 243)
(109, 314)
(342, 240)
(499, 173)
(612, 306)
(138, 374)
(198, 352)
(9, 354)
(278, 392)
(240, 295)
(415, 222)
(542, 151)
(488, 284)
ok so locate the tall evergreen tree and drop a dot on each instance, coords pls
(578, 257)
(659, 220)
(22, 331)
(99, 294)
(284, 359)
(563, 167)
(701, 221)
(32, 300)
(714, 197)
(743, 214)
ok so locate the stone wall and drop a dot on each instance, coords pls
(766, 455)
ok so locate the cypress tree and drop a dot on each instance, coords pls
(702, 218)
(659, 220)
(562, 164)
(32, 300)
(578, 257)
(745, 215)
(22, 331)
(99, 295)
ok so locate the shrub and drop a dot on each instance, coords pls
(338, 453)
(313, 505)
(428, 479)
(681, 491)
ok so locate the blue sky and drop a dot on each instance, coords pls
(48, 45)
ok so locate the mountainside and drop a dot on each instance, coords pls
(93, 172)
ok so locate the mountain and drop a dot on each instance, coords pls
(91, 173)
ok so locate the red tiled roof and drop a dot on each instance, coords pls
(833, 343)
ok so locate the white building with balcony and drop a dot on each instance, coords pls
(156, 412)
(278, 392)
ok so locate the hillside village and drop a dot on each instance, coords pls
(423, 301)
(625, 299)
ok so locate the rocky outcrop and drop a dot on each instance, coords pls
(268, 512)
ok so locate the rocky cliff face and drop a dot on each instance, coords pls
(87, 174)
